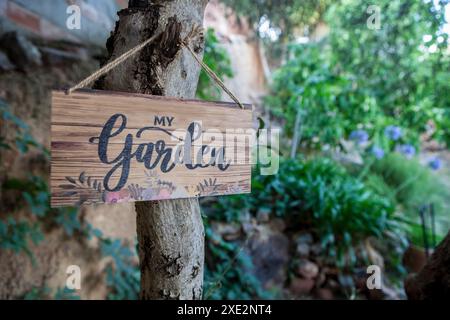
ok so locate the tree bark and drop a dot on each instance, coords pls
(170, 232)
(433, 281)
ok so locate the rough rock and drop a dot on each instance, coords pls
(56, 57)
(301, 286)
(277, 224)
(20, 274)
(307, 269)
(304, 238)
(303, 243)
(20, 50)
(247, 227)
(29, 98)
(332, 284)
(228, 232)
(414, 259)
(5, 63)
(269, 250)
(320, 280)
(302, 250)
(324, 294)
(138, 3)
(263, 216)
(248, 60)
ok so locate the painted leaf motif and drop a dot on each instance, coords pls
(69, 193)
(71, 180)
(67, 186)
(82, 177)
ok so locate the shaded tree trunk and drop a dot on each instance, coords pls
(170, 232)
(433, 281)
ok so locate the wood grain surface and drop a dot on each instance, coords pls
(110, 147)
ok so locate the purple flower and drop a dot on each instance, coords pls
(377, 152)
(408, 150)
(435, 163)
(359, 136)
(393, 132)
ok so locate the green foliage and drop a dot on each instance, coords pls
(323, 196)
(412, 185)
(36, 194)
(228, 271)
(123, 276)
(329, 103)
(358, 78)
(405, 74)
(68, 219)
(15, 235)
(23, 139)
(37, 293)
(66, 294)
(216, 57)
(45, 293)
(235, 206)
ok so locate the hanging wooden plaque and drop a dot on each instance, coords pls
(110, 147)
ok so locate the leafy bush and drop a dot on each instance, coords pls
(15, 234)
(411, 185)
(122, 274)
(329, 104)
(319, 194)
(339, 85)
(405, 73)
(23, 139)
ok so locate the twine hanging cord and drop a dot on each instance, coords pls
(184, 43)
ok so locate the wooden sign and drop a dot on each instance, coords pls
(110, 147)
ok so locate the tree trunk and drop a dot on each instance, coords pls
(170, 232)
(433, 281)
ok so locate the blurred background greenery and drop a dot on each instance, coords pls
(364, 157)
